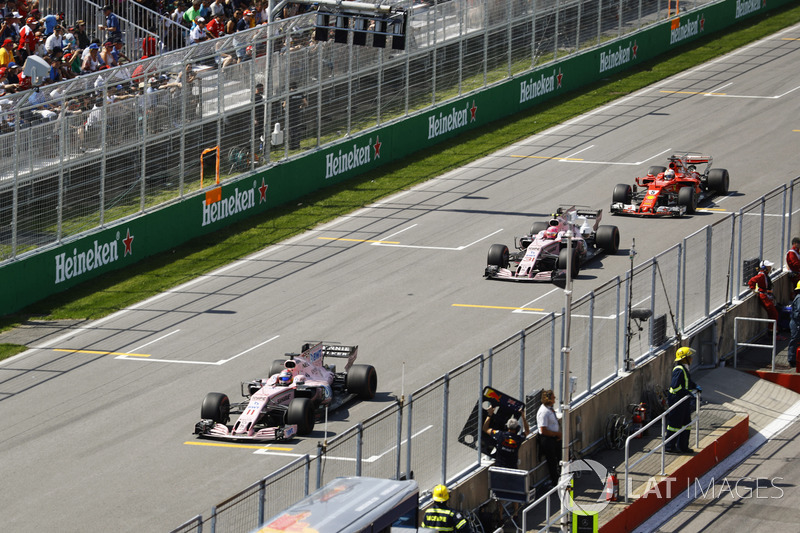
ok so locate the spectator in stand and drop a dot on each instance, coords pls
(217, 7)
(297, 106)
(8, 31)
(112, 27)
(56, 73)
(70, 42)
(107, 56)
(55, 40)
(40, 106)
(7, 53)
(216, 28)
(233, 21)
(192, 13)
(198, 32)
(118, 54)
(249, 21)
(178, 13)
(50, 23)
(262, 12)
(92, 61)
(27, 38)
(205, 9)
(64, 67)
(72, 62)
(12, 73)
(3, 11)
(81, 37)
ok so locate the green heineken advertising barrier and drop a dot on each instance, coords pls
(33, 278)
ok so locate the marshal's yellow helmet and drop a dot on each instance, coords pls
(683, 353)
(798, 286)
(440, 493)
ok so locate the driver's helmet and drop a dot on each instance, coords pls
(284, 378)
(669, 174)
(551, 232)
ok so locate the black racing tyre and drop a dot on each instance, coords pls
(622, 193)
(362, 380)
(718, 180)
(277, 366)
(655, 170)
(498, 256)
(561, 264)
(607, 238)
(688, 197)
(301, 412)
(538, 226)
(217, 407)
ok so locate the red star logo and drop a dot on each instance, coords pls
(128, 241)
(473, 110)
(635, 49)
(377, 147)
(559, 78)
(702, 23)
(263, 191)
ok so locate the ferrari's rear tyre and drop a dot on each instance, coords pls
(362, 380)
(718, 180)
(538, 226)
(607, 238)
(688, 198)
(301, 412)
(622, 193)
(561, 264)
(498, 256)
(277, 366)
(217, 407)
(655, 170)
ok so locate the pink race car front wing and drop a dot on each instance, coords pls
(496, 272)
(208, 429)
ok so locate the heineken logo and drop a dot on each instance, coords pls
(455, 119)
(233, 204)
(681, 31)
(745, 7)
(357, 156)
(612, 59)
(534, 88)
(98, 255)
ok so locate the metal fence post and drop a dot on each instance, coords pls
(320, 453)
(591, 344)
(680, 290)
(491, 360)
(552, 351)
(262, 496)
(652, 322)
(709, 251)
(761, 228)
(359, 447)
(445, 405)
(399, 444)
(480, 410)
(616, 330)
(739, 267)
(522, 364)
(307, 476)
(408, 432)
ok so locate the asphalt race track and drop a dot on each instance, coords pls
(97, 425)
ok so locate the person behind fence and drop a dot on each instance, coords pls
(793, 263)
(507, 441)
(549, 434)
(761, 284)
(441, 517)
(680, 386)
(794, 327)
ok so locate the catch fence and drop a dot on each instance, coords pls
(433, 434)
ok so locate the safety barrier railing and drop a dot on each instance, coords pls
(773, 346)
(628, 485)
(561, 490)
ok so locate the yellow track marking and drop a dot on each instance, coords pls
(547, 157)
(710, 209)
(102, 353)
(228, 445)
(355, 240)
(694, 92)
(498, 307)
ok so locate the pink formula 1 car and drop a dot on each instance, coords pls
(286, 403)
(542, 254)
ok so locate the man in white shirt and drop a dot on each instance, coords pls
(549, 434)
(198, 32)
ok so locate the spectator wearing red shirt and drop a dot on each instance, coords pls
(216, 28)
(793, 263)
(27, 38)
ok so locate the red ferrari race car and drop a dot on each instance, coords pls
(542, 254)
(674, 190)
(286, 403)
